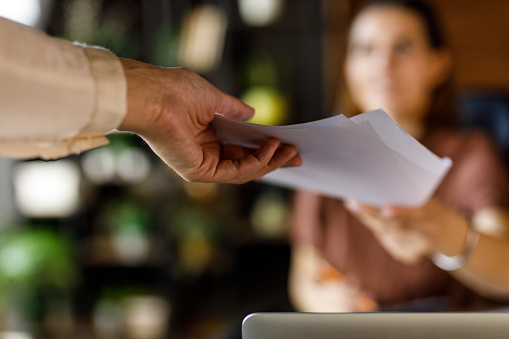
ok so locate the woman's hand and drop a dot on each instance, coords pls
(409, 234)
(316, 286)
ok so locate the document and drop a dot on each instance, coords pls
(368, 157)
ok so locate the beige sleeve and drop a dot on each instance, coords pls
(56, 98)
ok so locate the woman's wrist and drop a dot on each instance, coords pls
(453, 263)
(456, 243)
(452, 239)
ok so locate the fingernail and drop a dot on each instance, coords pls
(353, 205)
(389, 212)
(296, 160)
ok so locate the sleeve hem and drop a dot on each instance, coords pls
(111, 92)
(51, 151)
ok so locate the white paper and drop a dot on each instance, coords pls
(368, 157)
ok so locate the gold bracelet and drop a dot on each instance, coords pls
(458, 261)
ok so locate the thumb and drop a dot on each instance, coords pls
(233, 108)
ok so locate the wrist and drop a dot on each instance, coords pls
(452, 239)
(452, 263)
(458, 246)
(453, 245)
(137, 97)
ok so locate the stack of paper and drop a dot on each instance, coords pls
(368, 157)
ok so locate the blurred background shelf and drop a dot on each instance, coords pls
(140, 241)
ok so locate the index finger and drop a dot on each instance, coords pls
(285, 156)
(357, 207)
(251, 166)
(406, 212)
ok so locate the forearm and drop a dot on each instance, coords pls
(298, 296)
(485, 270)
(53, 92)
(303, 281)
(299, 265)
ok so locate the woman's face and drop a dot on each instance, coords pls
(390, 64)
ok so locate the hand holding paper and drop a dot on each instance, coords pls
(368, 157)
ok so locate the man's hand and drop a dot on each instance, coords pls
(172, 110)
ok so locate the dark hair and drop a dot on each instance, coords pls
(443, 112)
(429, 17)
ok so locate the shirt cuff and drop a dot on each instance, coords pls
(52, 151)
(111, 92)
(109, 110)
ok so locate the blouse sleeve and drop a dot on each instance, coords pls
(305, 219)
(482, 177)
(56, 97)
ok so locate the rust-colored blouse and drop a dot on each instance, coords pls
(477, 180)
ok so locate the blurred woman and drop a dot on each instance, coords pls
(450, 254)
